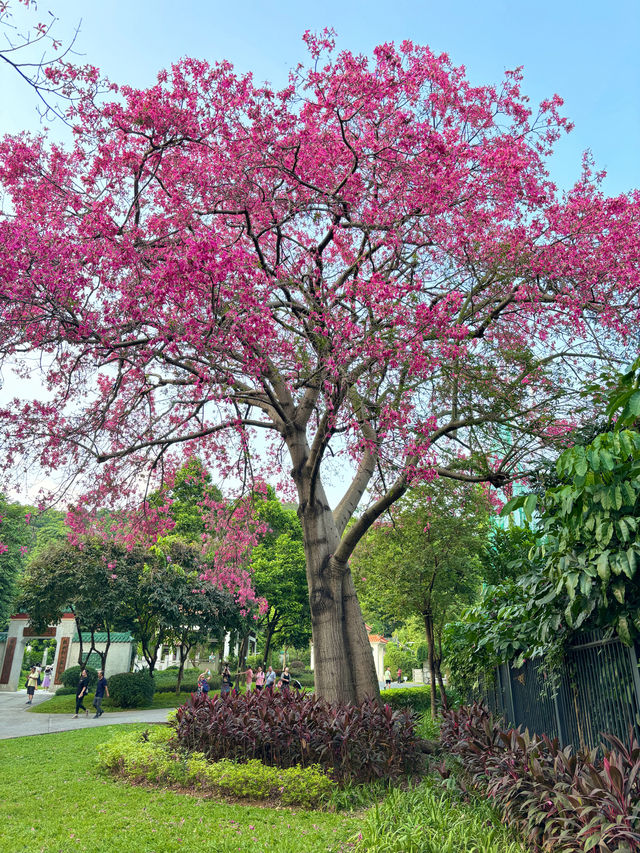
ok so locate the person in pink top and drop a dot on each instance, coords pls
(248, 675)
(259, 679)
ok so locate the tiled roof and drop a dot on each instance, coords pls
(376, 638)
(101, 637)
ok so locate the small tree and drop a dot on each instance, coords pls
(425, 561)
(279, 574)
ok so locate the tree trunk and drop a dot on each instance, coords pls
(443, 693)
(184, 651)
(428, 626)
(271, 627)
(344, 666)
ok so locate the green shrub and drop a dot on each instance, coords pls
(416, 698)
(150, 756)
(131, 689)
(395, 657)
(189, 683)
(70, 677)
(66, 691)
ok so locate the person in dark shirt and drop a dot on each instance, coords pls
(81, 692)
(101, 691)
(227, 681)
(285, 678)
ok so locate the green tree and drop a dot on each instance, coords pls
(91, 579)
(506, 553)
(279, 574)
(426, 561)
(14, 538)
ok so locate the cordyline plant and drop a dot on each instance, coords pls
(355, 742)
(558, 799)
(370, 265)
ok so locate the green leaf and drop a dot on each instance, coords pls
(530, 505)
(619, 588)
(623, 630)
(513, 504)
(603, 566)
(571, 583)
(631, 560)
(607, 460)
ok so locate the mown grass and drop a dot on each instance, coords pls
(66, 704)
(54, 800)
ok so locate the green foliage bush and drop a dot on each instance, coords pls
(131, 689)
(70, 677)
(416, 698)
(150, 756)
(395, 657)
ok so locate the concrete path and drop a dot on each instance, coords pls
(16, 721)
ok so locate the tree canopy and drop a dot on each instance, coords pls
(370, 266)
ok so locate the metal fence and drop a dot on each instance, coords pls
(595, 690)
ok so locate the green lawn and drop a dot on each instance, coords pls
(53, 800)
(67, 704)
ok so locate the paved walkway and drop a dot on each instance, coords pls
(16, 721)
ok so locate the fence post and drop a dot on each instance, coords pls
(636, 677)
(559, 721)
(514, 722)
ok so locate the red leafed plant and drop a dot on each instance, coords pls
(558, 798)
(358, 742)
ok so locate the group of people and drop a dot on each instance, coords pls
(264, 679)
(38, 678)
(35, 680)
(102, 690)
(387, 677)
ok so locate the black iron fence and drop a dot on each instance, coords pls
(596, 689)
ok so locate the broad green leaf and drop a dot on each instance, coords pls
(513, 504)
(619, 588)
(571, 583)
(623, 630)
(530, 505)
(631, 560)
(603, 566)
(607, 460)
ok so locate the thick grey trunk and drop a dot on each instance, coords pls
(344, 667)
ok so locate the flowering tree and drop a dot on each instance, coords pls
(371, 268)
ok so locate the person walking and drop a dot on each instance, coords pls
(46, 681)
(285, 678)
(227, 681)
(81, 691)
(399, 676)
(248, 678)
(32, 683)
(102, 690)
(260, 679)
(387, 677)
(270, 680)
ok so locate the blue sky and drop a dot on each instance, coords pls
(583, 51)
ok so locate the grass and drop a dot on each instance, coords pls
(66, 704)
(431, 819)
(54, 800)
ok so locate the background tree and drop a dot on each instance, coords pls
(505, 555)
(426, 561)
(372, 263)
(14, 538)
(279, 574)
(89, 580)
